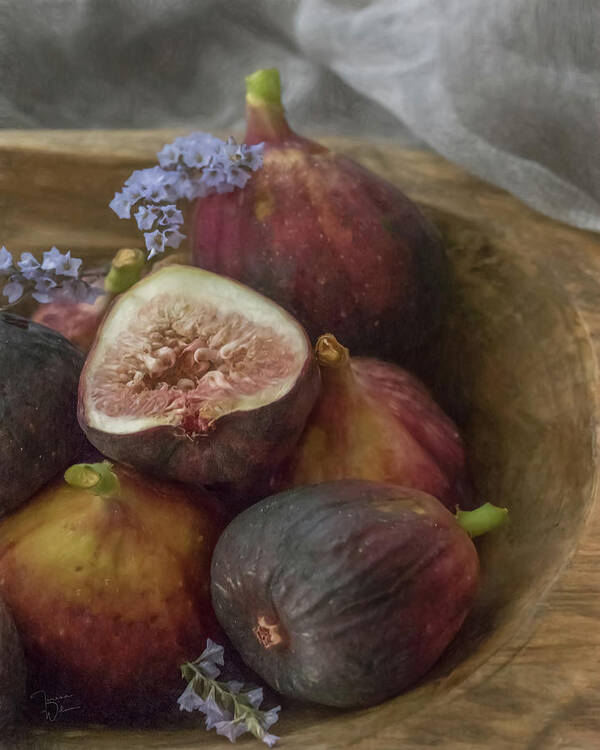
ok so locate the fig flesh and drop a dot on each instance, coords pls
(334, 244)
(343, 593)
(376, 421)
(196, 377)
(39, 434)
(110, 591)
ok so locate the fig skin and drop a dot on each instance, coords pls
(343, 593)
(376, 421)
(235, 450)
(76, 321)
(111, 594)
(39, 434)
(340, 248)
(12, 669)
(79, 321)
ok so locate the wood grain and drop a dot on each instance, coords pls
(517, 365)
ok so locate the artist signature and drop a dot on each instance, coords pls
(53, 707)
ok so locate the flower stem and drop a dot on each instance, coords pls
(125, 270)
(481, 520)
(97, 478)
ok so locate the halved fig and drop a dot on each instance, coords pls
(196, 377)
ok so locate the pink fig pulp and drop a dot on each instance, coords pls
(376, 421)
(334, 244)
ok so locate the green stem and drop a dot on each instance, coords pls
(265, 117)
(481, 520)
(264, 87)
(125, 270)
(97, 478)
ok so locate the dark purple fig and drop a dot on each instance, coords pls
(12, 668)
(195, 377)
(334, 244)
(344, 593)
(39, 434)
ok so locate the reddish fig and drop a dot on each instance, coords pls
(79, 321)
(107, 576)
(345, 593)
(196, 377)
(376, 421)
(334, 244)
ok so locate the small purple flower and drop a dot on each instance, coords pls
(6, 260)
(271, 716)
(173, 238)
(237, 177)
(252, 156)
(61, 263)
(121, 204)
(211, 659)
(155, 243)
(78, 291)
(44, 289)
(146, 216)
(29, 266)
(270, 739)
(13, 290)
(255, 697)
(171, 216)
(231, 729)
(168, 156)
(189, 700)
(215, 714)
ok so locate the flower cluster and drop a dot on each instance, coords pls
(191, 167)
(56, 277)
(229, 709)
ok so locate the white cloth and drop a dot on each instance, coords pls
(508, 89)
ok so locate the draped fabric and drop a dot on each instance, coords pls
(509, 90)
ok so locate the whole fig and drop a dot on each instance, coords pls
(39, 434)
(345, 593)
(107, 577)
(374, 420)
(334, 244)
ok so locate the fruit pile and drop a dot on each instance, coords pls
(248, 479)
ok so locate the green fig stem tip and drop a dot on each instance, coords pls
(264, 87)
(481, 520)
(99, 479)
(125, 270)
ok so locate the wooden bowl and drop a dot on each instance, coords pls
(516, 366)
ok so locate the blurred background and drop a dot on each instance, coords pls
(509, 90)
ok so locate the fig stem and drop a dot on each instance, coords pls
(125, 270)
(264, 87)
(265, 117)
(99, 478)
(329, 352)
(481, 520)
